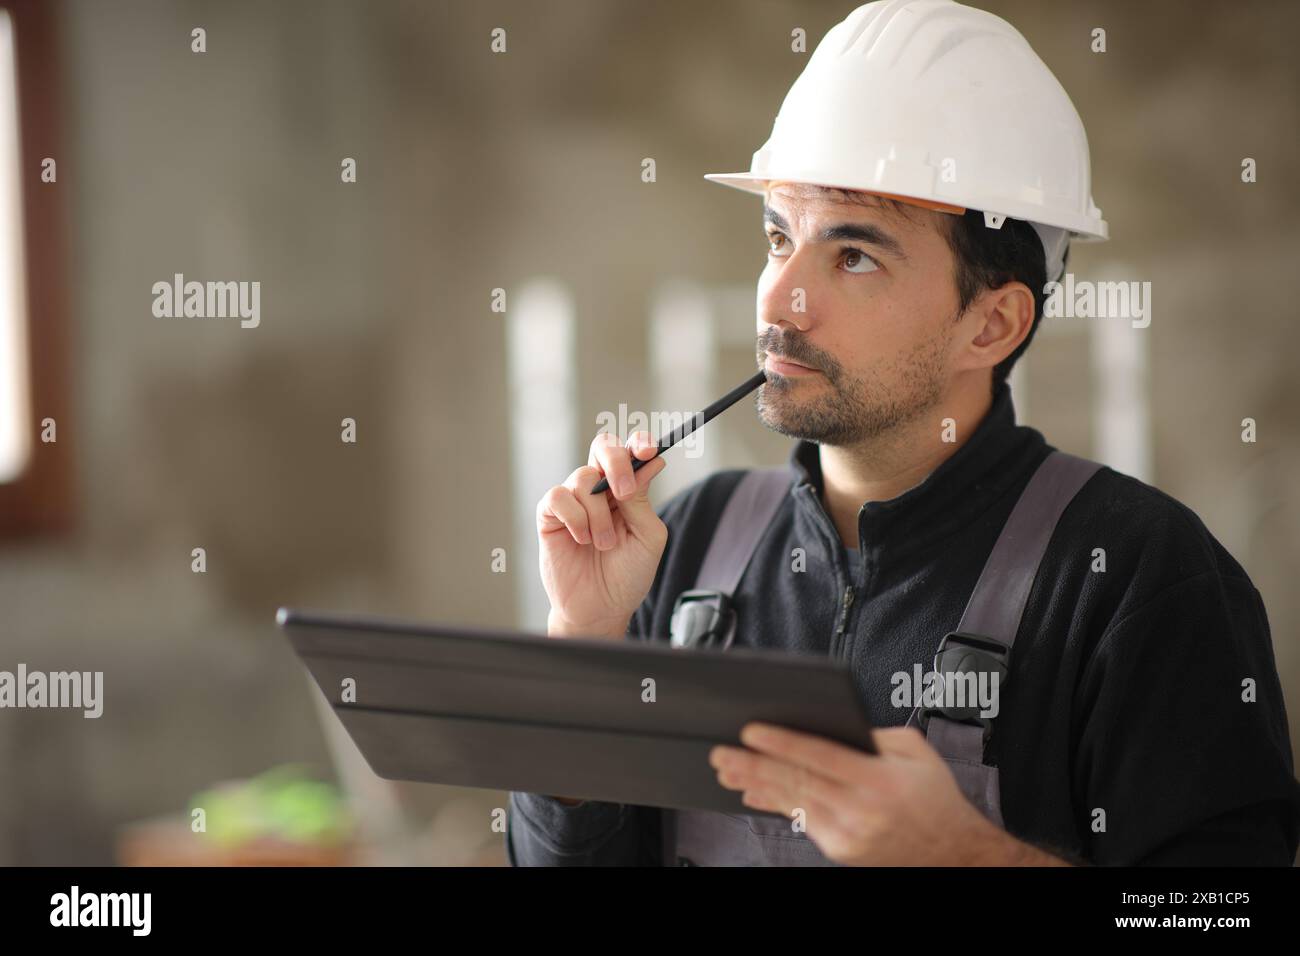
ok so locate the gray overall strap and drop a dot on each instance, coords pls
(998, 601)
(748, 513)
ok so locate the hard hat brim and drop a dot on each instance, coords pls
(751, 182)
(757, 183)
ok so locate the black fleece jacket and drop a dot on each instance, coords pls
(1129, 687)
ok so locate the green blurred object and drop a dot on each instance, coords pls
(284, 803)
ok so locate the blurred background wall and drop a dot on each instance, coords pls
(522, 171)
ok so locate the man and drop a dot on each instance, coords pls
(1142, 721)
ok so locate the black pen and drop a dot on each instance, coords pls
(694, 422)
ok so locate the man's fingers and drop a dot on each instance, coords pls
(817, 754)
(615, 462)
(599, 521)
(628, 486)
(642, 445)
(637, 511)
(745, 769)
(559, 509)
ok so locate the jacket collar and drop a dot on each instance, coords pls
(961, 488)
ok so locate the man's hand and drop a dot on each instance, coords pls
(899, 808)
(599, 553)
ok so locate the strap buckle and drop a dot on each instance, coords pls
(960, 654)
(703, 619)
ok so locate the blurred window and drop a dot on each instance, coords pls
(35, 471)
(15, 397)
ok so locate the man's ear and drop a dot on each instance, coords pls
(1005, 316)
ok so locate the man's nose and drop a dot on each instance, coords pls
(787, 295)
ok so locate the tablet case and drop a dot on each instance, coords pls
(620, 721)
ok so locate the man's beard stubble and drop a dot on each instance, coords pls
(839, 408)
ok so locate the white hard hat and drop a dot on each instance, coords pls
(939, 102)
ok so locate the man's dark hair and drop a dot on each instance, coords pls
(986, 259)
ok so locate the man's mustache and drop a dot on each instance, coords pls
(784, 348)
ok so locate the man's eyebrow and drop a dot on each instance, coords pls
(860, 231)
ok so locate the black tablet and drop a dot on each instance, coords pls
(621, 721)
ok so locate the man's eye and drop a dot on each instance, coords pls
(776, 243)
(858, 262)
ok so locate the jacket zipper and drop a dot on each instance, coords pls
(838, 642)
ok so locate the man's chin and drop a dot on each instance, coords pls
(788, 426)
